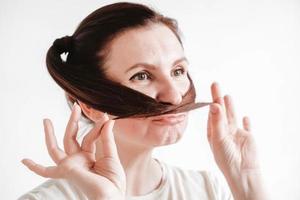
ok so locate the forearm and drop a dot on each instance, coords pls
(247, 185)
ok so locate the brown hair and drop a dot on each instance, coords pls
(82, 75)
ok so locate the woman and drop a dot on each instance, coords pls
(127, 73)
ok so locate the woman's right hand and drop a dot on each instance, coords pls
(98, 177)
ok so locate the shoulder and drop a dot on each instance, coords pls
(205, 184)
(54, 189)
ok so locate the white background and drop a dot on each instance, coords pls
(252, 48)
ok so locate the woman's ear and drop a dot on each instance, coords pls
(91, 113)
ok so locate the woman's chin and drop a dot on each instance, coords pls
(167, 134)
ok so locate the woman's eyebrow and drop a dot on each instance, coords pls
(153, 67)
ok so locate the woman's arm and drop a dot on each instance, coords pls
(234, 149)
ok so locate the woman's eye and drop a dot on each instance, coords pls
(179, 72)
(140, 76)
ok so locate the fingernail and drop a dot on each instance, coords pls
(103, 117)
(24, 161)
(113, 122)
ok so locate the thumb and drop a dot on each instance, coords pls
(109, 148)
(217, 122)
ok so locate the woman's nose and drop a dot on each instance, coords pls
(169, 93)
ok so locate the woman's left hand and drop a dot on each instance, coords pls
(233, 148)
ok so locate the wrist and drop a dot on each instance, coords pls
(246, 184)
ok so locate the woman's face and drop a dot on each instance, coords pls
(150, 60)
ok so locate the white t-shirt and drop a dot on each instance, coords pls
(177, 184)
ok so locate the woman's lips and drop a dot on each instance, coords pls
(169, 119)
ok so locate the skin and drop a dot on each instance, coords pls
(155, 45)
(116, 156)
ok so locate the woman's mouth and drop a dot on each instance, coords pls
(169, 119)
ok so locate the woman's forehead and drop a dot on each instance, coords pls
(154, 44)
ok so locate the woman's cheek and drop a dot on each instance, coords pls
(184, 85)
(130, 127)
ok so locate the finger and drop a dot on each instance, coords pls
(218, 125)
(209, 127)
(230, 112)
(70, 143)
(246, 124)
(108, 140)
(216, 93)
(54, 151)
(88, 142)
(47, 172)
